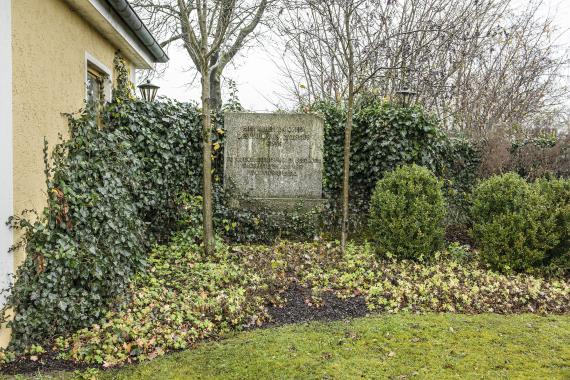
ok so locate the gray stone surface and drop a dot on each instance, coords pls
(274, 158)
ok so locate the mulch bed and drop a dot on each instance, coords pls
(459, 234)
(298, 308)
(47, 362)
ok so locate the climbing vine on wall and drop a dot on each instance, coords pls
(111, 194)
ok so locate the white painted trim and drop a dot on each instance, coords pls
(124, 31)
(100, 14)
(133, 74)
(6, 146)
(90, 60)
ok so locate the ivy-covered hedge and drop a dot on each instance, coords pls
(166, 137)
(385, 136)
(111, 194)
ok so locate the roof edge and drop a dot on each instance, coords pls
(133, 21)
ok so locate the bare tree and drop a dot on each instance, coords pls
(342, 38)
(476, 63)
(211, 32)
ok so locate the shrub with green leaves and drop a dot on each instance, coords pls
(513, 226)
(406, 213)
(385, 136)
(111, 193)
(186, 297)
(556, 194)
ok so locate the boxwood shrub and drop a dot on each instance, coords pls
(556, 194)
(513, 226)
(406, 213)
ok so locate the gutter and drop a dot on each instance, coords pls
(133, 21)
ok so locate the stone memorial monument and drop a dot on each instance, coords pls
(273, 161)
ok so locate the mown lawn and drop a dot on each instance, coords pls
(399, 346)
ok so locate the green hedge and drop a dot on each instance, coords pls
(406, 213)
(386, 136)
(111, 194)
(514, 226)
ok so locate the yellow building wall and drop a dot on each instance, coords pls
(49, 46)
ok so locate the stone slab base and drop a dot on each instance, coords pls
(279, 204)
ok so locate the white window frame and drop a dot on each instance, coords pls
(133, 74)
(91, 61)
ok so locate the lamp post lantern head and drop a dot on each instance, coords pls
(406, 94)
(148, 91)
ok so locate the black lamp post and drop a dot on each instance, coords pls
(148, 91)
(406, 94)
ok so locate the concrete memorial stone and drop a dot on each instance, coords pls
(274, 160)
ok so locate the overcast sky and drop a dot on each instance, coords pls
(258, 78)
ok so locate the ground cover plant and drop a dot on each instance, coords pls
(186, 297)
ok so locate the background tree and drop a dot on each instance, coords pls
(336, 45)
(478, 64)
(342, 37)
(211, 32)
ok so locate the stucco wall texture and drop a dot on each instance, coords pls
(49, 45)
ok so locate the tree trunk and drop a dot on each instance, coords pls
(348, 129)
(215, 85)
(215, 91)
(207, 165)
(346, 169)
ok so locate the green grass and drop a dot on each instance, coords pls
(400, 346)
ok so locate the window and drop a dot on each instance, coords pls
(98, 82)
(95, 87)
